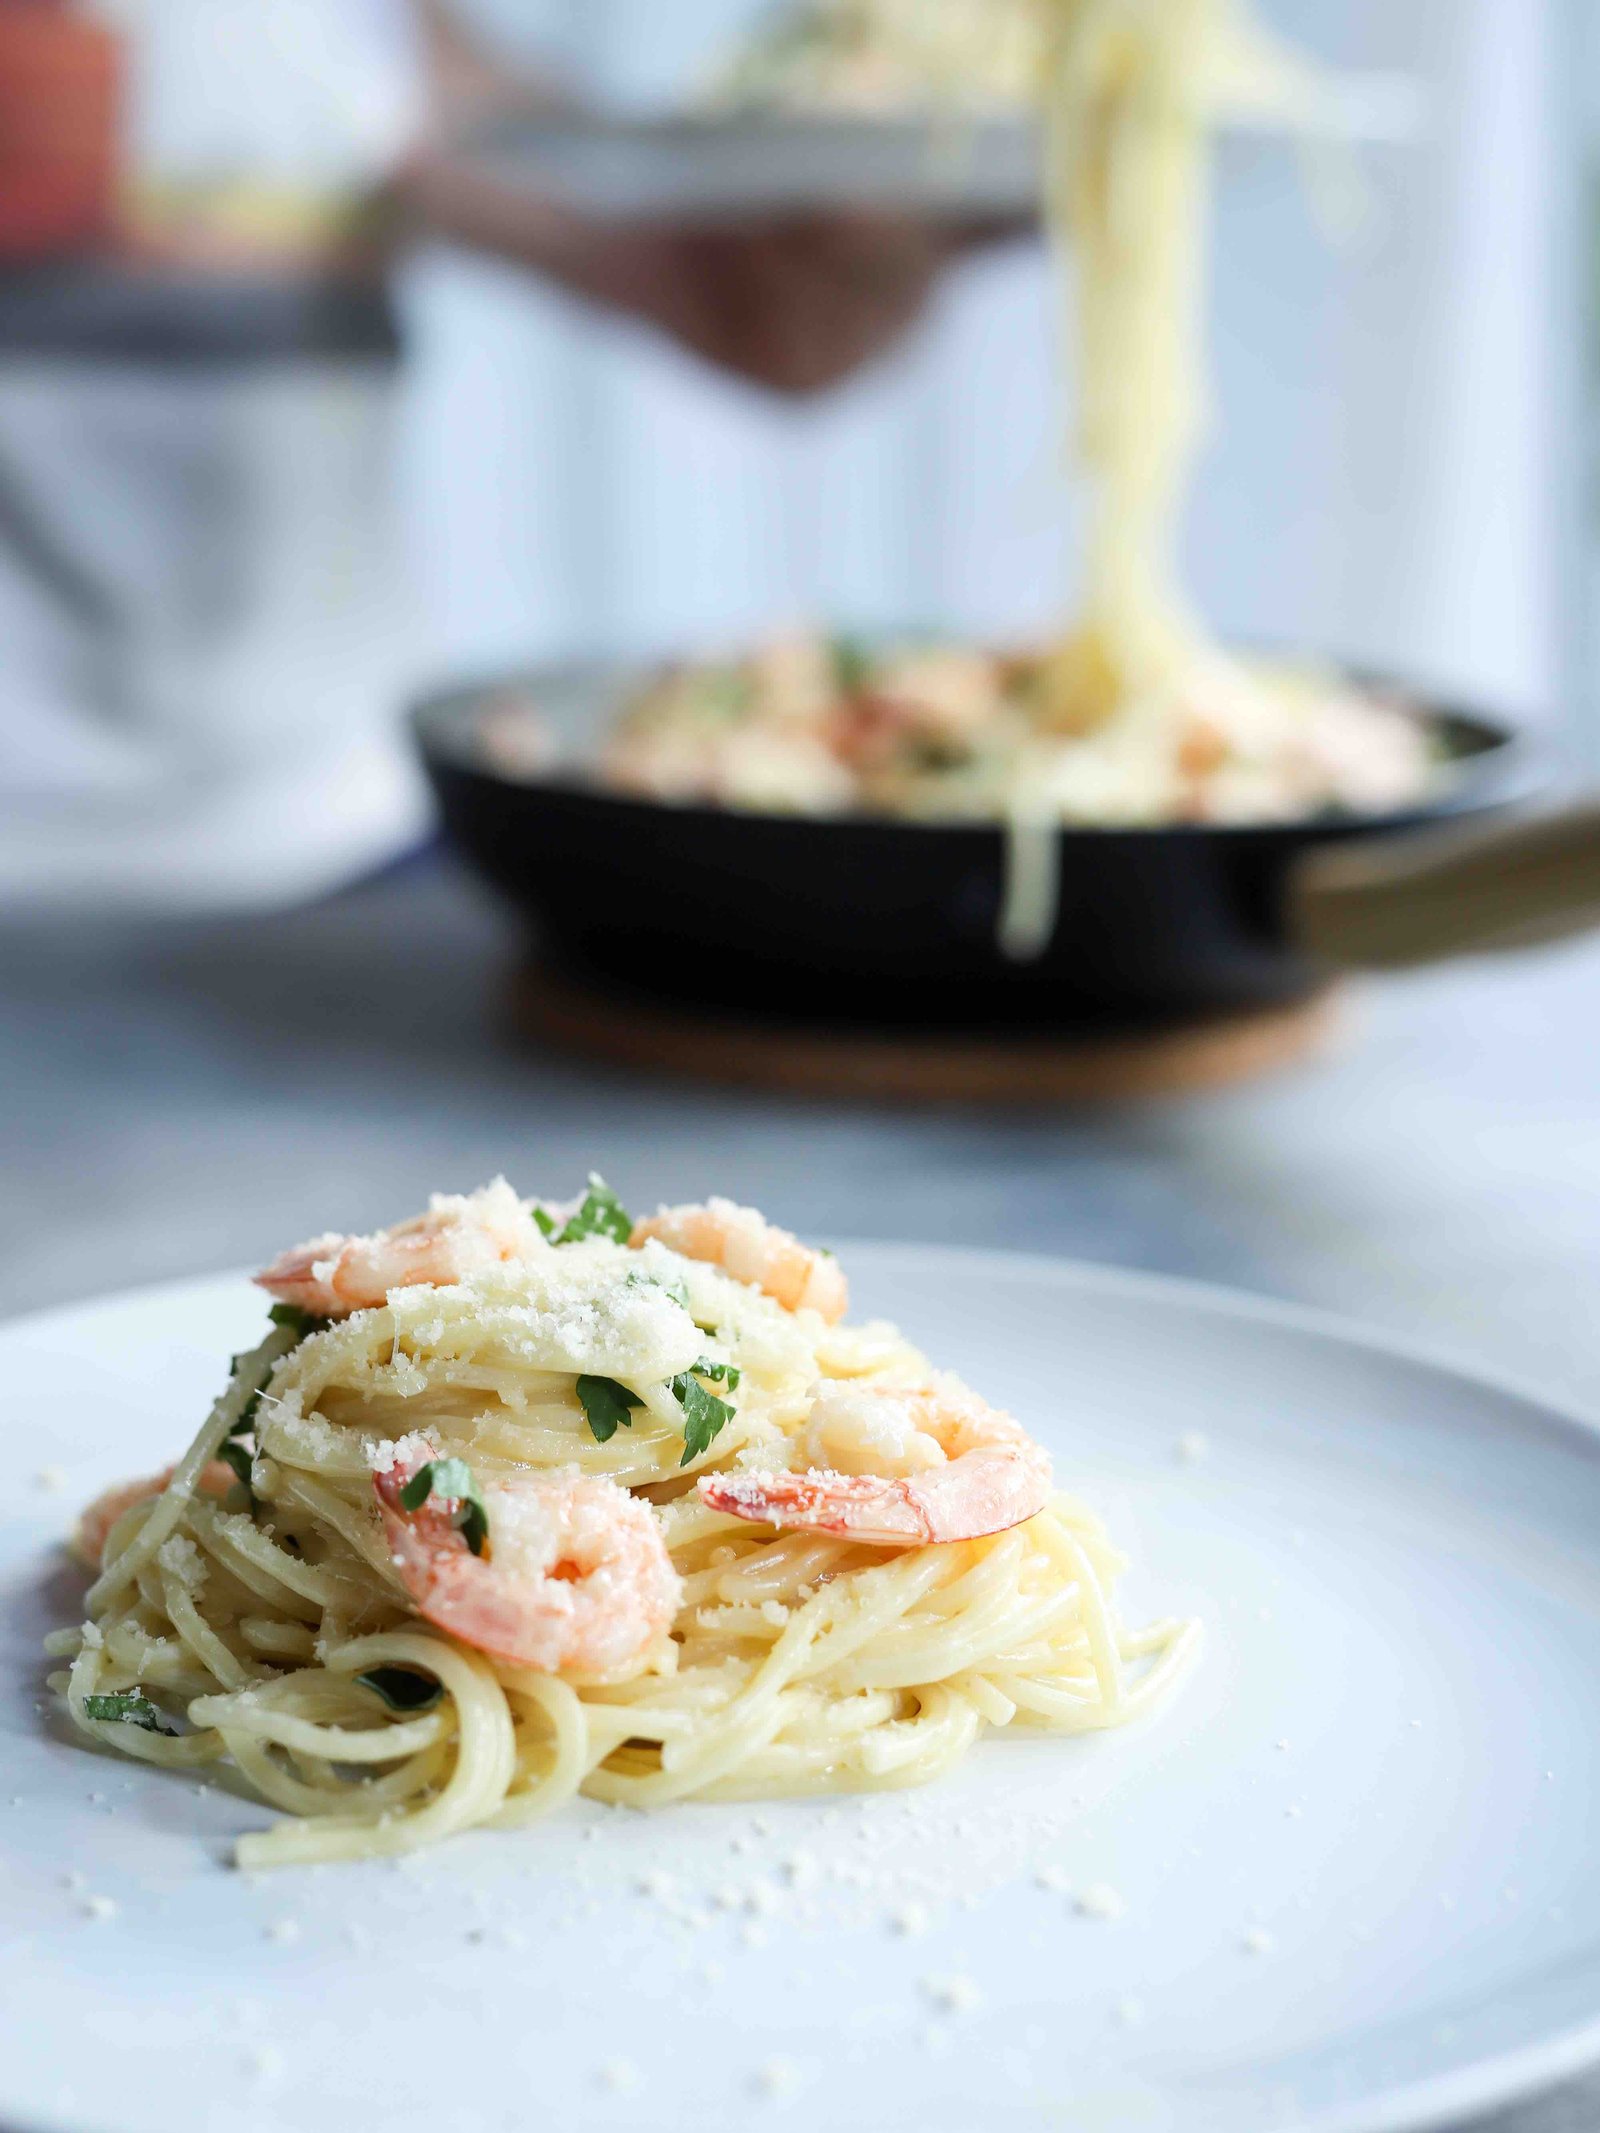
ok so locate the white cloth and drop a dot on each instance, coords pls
(317, 94)
(209, 634)
(209, 629)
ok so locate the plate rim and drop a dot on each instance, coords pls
(1433, 2104)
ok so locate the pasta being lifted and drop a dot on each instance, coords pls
(1134, 716)
(518, 1500)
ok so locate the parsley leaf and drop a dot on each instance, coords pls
(235, 1450)
(727, 1374)
(677, 1289)
(726, 693)
(546, 1221)
(440, 1477)
(300, 1323)
(401, 1688)
(132, 1709)
(236, 1454)
(704, 1415)
(451, 1480)
(852, 664)
(606, 1407)
(601, 1215)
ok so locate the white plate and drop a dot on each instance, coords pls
(1385, 1767)
(645, 165)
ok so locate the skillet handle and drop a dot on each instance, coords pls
(1389, 903)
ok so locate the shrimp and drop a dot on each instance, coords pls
(96, 1524)
(965, 1470)
(576, 1573)
(752, 1249)
(333, 1275)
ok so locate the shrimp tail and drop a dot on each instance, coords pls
(982, 1493)
(293, 1277)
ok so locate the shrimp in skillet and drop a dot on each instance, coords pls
(753, 1250)
(574, 1575)
(898, 1470)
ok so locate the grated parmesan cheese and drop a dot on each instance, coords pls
(954, 1995)
(779, 2077)
(1101, 1901)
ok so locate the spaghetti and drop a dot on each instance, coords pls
(556, 1505)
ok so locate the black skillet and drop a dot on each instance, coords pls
(877, 924)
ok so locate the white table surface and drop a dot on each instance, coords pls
(185, 1097)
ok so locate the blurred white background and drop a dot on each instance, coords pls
(213, 577)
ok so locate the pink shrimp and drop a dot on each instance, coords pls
(752, 1249)
(966, 1470)
(97, 1523)
(334, 1275)
(576, 1573)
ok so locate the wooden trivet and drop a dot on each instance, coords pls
(904, 1067)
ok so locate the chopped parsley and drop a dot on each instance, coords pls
(601, 1215)
(726, 693)
(235, 1453)
(678, 1290)
(727, 1374)
(451, 1480)
(236, 1450)
(133, 1708)
(934, 756)
(606, 1407)
(402, 1689)
(302, 1324)
(704, 1415)
(852, 664)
